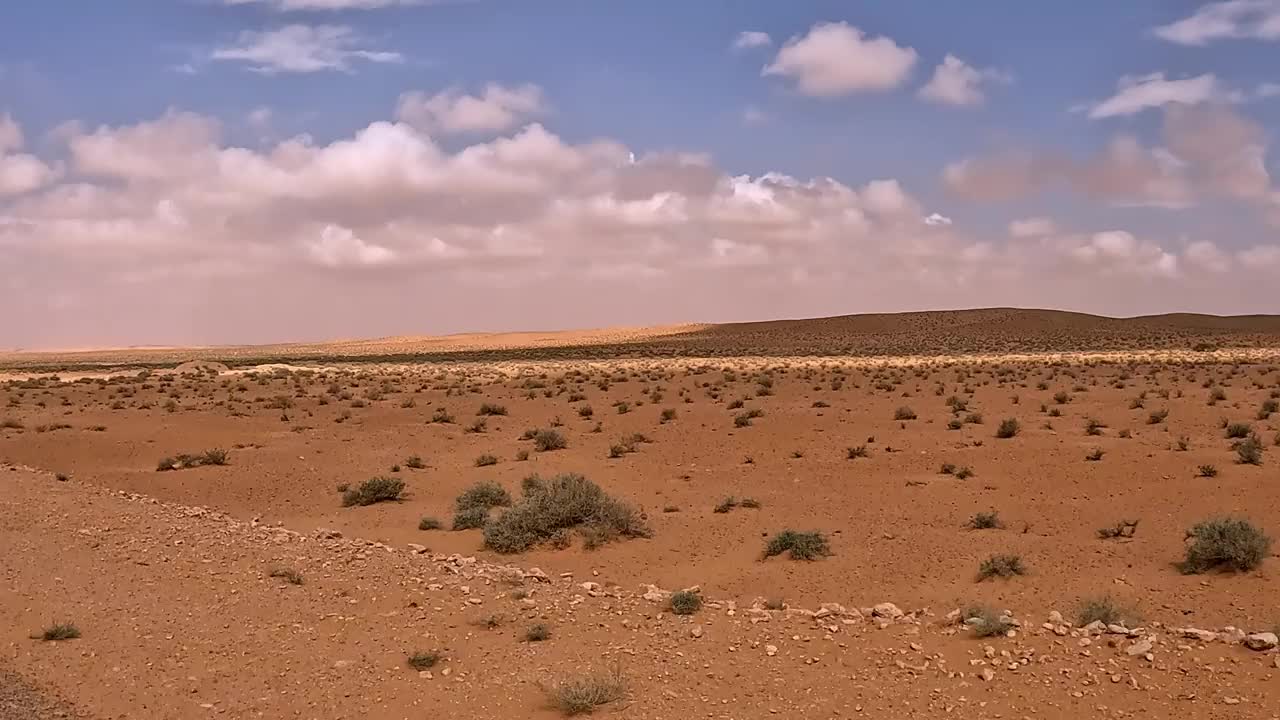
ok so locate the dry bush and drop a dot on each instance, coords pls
(566, 502)
(374, 490)
(1226, 543)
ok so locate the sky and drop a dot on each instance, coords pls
(194, 172)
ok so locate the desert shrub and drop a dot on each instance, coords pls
(485, 494)
(537, 633)
(726, 505)
(1227, 543)
(470, 518)
(987, 621)
(1103, 609)
(1239, 430)
(1008, 428)
(955, 424)
(1093, 426)
(429, 523)
(424, 660)
(685, 602)
(414, 462)
(289, 575)
(1061, 397)
(989, 520)
(579, 695)
(623, 408)
(1249, 451)
(480, 425)
(668, 415)
(1206, 471)
(904, 413)
(546, 440)
(1157, 416)
(947, 469)
(374, 490)
(491, 409)
(973, 418)
(566, 502)
(442, 416)
(167, 463)
(1122, 529)
(585, 411)
(1095, 455)
(964, 473)
(749, 503)
(486, 460)
(522, 455)
(799, 545)
(859, 451)
(821, 404)
(1002, 566)
(1217, 395)
(60, 631)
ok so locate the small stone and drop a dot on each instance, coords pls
(1055, 617)
(1141, 647)
(1261, 641)
(696, 631)
(987, 674)
(887, 610)
(770, 650)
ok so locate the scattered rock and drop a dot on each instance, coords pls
(887, 610)
(1262, 641)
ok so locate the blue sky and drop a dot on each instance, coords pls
(660, 78)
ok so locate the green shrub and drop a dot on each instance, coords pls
(566, 502)
(668, 415)
(964, 473)
(60, 631)
(374, 490)
(546, 440)
(1249, 451)
(470, 518)
(1003, 566)
(537, 633)
(1239, 430)
(485, 494)
(685, 602)
(486, 460)
(859, 451)
(1227, 543)
(904, 413)
(429, 523)
(986, 521)
(800, 545)
(1008, 428)
(1206, 471)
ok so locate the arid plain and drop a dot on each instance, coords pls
(977, 514)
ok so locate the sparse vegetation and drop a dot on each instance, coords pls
(548, 440)
(1008, 428)
(685, 602)
(289, 575)
(798, 545)
(580, 695)
(986, 621)
(1105, 610)
(374, 490)
(988, 520)
(60, 631)
(1227, 543)
(424, 660)
(1001, 566)
(566, 502)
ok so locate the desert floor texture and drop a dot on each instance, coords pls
(184, 534)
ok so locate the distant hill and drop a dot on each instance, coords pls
(943, 332)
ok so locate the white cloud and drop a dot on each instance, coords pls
(1267, 90)
(838, 59)
(10, 134)
(498, 108)
(293, 5)
(302, 49)
(1233, 19)
(23, 173)
(1208, 256)
(1032, 227)
(751, 39)
(955, 82)
(354, 236)
(754, 116)
(1135, 94)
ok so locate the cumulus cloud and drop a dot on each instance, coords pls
(1233, 19)
(1032, 227)
(10, 134)
(369, 234)
(1136, 94)
(496, 109)
(19, 172)
(751, 39)
(302, 49)
(1208, 151)
(955, 82)
(835, 59)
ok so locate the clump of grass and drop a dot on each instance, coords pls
(549, 439)
(987, 621)
(668, 414)
(522, 455)
(60, 631)
(799, 545)
(859, 451)
(1008, 428)
(430, 523)
(1249, 451)
(583, 694)
(486, 460)
(1095, 455)
(216, 456)
(1238, 430)
(491, 409)
(904, 413)
(374, 490)
(1002, 566)
(1206, 471)
(1227, 543)
(749, 503)
(442, 416)
(289, 575)
(1103, 609)
(471, 508)
(566, 502)
(947, 469)
(1093, 426)
(537, 633)
(964, 473)
(1157, 416)
(989, 520)
(1122, 529)
(685, 602)
(424, 659)
(744, 419)
(726, 505)
(414, 462)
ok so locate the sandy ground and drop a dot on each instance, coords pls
(180, 617)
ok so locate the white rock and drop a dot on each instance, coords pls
(1262, 641)
(887, 610)
(1141, 647)
(770, 650)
